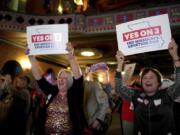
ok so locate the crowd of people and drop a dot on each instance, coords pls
(71, 105)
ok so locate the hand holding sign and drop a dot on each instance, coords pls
(119, 57)
(27, 50)
(173, 49)
(47, 39)
(144, 35)
(120, 60)
(70, 50)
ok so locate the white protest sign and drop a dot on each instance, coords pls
(47, 39)
(144, 35)
(129, 70)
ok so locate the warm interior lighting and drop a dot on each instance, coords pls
(85, 5)
(122, 72)
(25, 63)
(60, 9)
(79, 2)
(112, 62)
(100, 78)
(87, 53)
(88, 78)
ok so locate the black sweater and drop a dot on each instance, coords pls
(152, 115)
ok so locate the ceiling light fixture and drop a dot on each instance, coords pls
(100, 78)
(60, 9)
(112, 62)
(79, 2)
(123, 73)
(87, 53)
(25, 63)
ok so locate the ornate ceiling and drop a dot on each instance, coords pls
(98, 37)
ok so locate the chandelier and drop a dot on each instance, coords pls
(67, 6)
(78, 2)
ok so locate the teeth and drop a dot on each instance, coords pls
(148, 84)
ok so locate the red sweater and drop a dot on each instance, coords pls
(128, 109)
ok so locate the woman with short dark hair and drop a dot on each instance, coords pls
(153, 108)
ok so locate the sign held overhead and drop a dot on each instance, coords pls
(144, 35)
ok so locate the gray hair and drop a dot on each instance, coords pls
(69, 77)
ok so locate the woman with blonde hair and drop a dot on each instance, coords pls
(63, 112)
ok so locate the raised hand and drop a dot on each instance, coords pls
(70, 49)
(36, 69)
(120, 60)
(27, 51)
(173, 49)
(74, 65)
(119, 57)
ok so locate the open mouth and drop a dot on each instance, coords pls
(61, 83)
(148, 85)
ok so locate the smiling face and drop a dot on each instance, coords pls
(62, 82)
(150, 83)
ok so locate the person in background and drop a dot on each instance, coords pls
(50, 71)
(50, 76)
(21, 85)
(14, 101)
(127, 112)
(107, 87)
(38, 102)
(153, 108)
(63, 113)
(95, 106)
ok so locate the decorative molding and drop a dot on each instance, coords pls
(79, 23)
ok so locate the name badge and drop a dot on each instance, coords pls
(157, 102)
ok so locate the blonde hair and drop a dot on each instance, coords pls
(69, 77)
